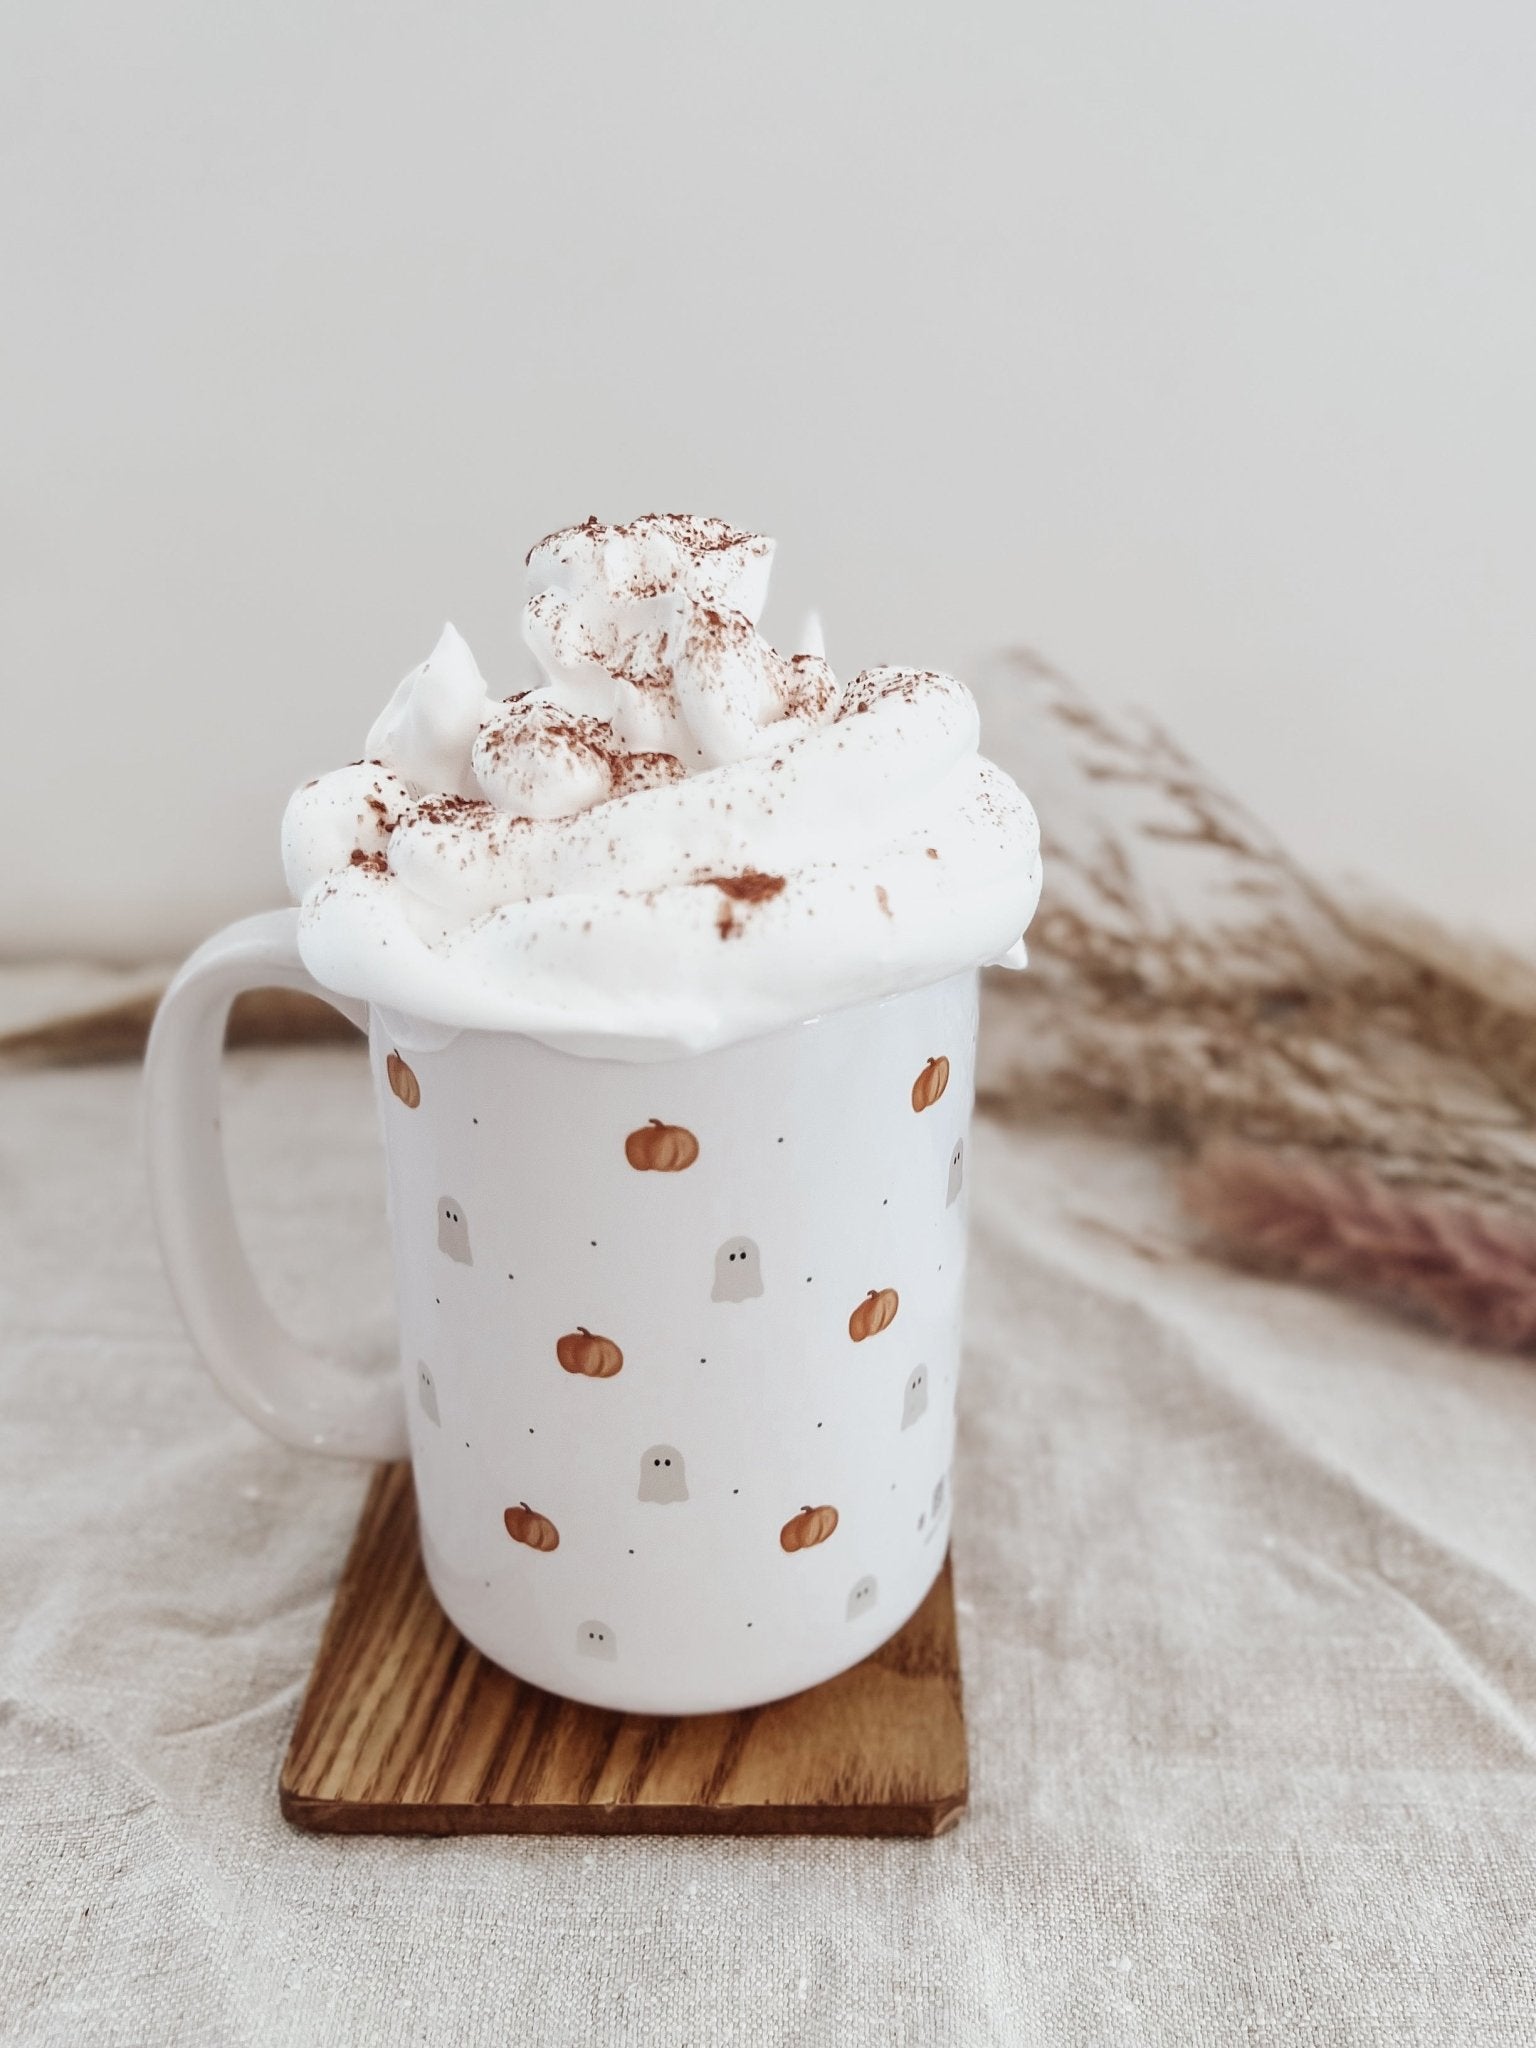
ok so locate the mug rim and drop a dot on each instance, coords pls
(426, 1035)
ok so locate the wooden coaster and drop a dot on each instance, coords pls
(405, 1729)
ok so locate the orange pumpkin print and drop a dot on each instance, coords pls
(930, 1083)
(810, 1527)
(660, 1148)
(403, 1081)
(525, 1525)
(876, 1312)
(595, 1358)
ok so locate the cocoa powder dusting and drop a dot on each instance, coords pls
(748, 888)
(631, 772)
(370, 863)
(732, 625)
(695, 534)
(455, 810)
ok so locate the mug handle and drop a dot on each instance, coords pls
(300, 1397)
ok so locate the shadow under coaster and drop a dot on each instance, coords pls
(405, 1730)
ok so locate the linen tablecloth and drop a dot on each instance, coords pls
(1246, 1581)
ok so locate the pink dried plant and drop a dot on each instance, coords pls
(1465, 1266)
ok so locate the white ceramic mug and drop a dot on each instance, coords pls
(679, 1339)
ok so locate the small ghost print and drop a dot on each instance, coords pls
(662, 1477)
(426, 1393)
(595, 1639)
(862, 1596)
(938, 1495)
(914, 1399)
(956, 1173)
(738, 1271)
(453, 1231)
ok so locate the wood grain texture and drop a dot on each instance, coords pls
(406, 1729)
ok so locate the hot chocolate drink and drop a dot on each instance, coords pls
(679, 838)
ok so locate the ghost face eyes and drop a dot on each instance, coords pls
(663, 1475)
(914, 1397)
(738, 1271)
(453, 1231)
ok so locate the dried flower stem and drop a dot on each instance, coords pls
(1374, 1076)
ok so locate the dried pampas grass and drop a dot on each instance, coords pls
(1469, 1269)
(1191, 979)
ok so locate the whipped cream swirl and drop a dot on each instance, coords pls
(680, 838)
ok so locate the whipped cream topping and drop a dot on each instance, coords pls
(680, 838)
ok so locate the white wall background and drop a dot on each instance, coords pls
(1191, 342)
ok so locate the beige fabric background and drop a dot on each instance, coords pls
(1247, 1582)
